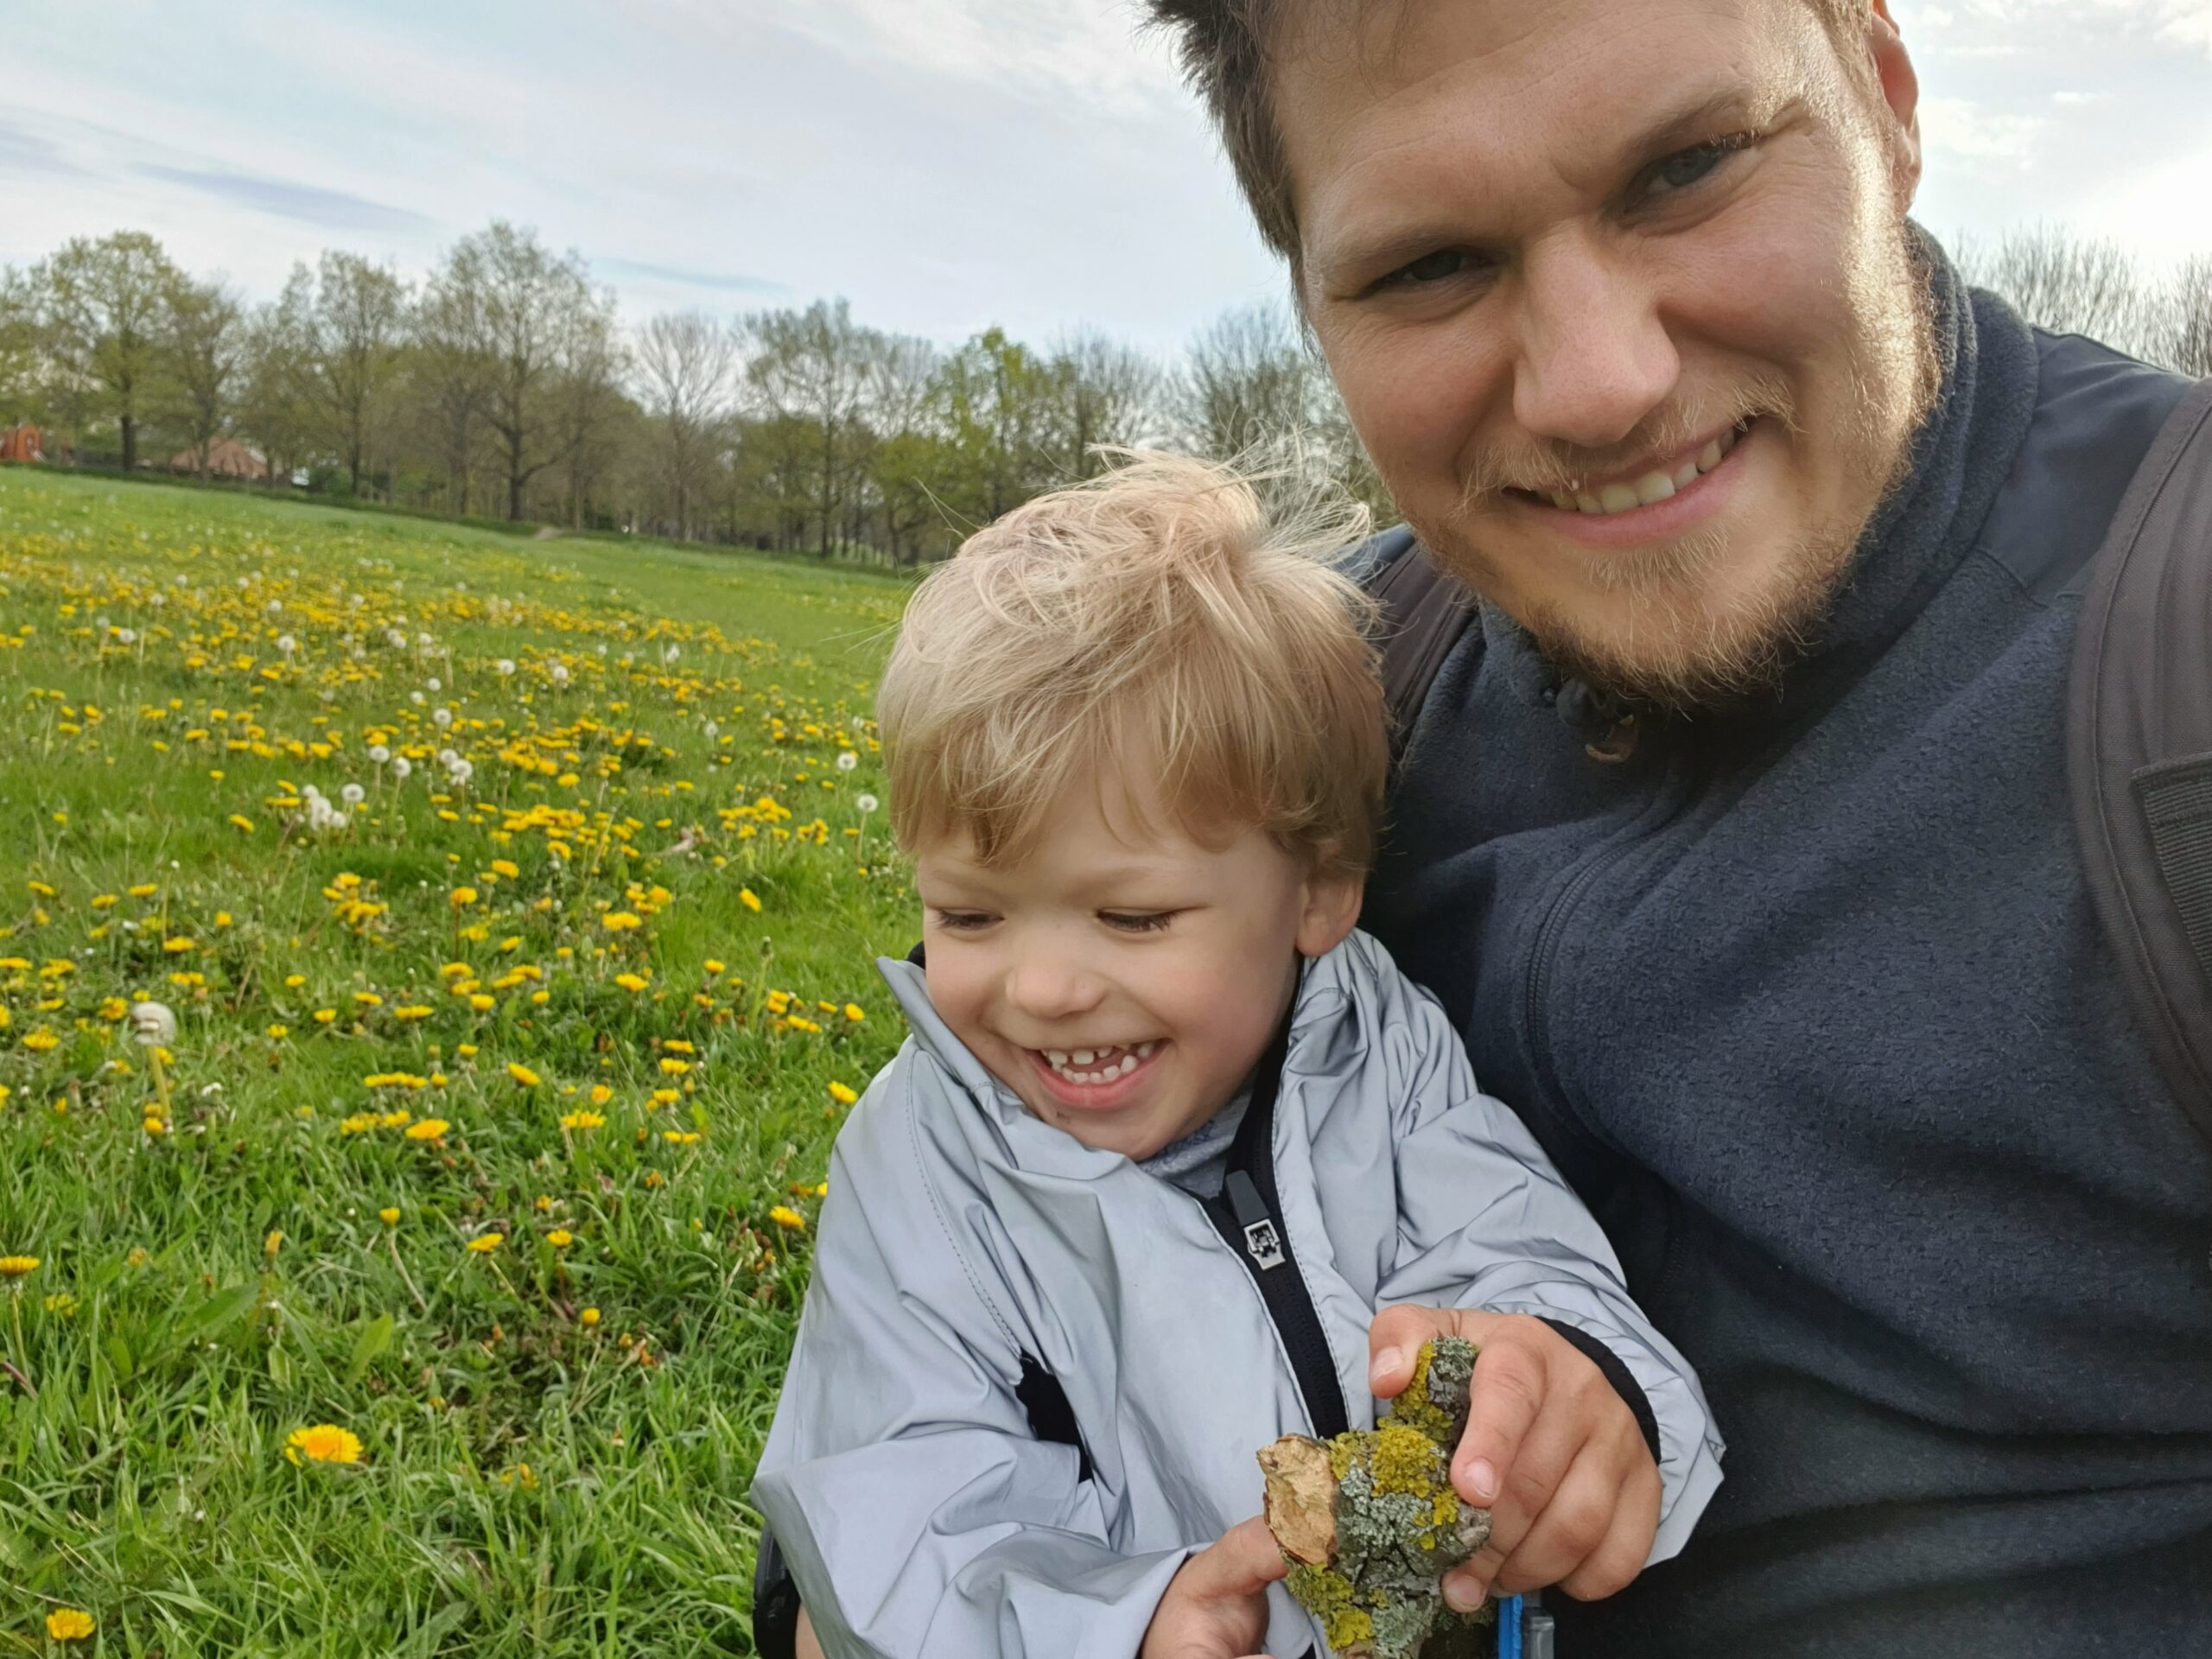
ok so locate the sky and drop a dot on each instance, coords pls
(945, 164)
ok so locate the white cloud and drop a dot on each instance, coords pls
(1967, 130)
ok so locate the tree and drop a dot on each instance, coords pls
(2189, 306)
(534, 313)
(275, 400)
(19, 345)
(1105, 393)
(104, 304)
(685, 365)
(2069, 285)
(451, 360)
(586, 399)
(207, 349)
(809, 378)
(1246, 383)
(356, 324)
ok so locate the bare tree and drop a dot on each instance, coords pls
(586, 394)
(207, 348)
(685, 365)
(358, 321)
(2069, 284)
(2188, 310)
(1247, 382)
(103, 305)
(1107, 393)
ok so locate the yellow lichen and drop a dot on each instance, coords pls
(1405, 1460)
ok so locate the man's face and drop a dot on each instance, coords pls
(1123, 979)
(1619, 297)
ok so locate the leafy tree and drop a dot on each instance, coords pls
(105, 305)
(207, 352)
(355, 329)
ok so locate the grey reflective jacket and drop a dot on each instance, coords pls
(963, 1244)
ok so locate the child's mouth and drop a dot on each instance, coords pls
(1092, 1077)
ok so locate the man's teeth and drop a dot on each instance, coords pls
(1654, 486)
(1076, 1064)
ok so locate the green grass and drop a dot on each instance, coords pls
(530, 1481)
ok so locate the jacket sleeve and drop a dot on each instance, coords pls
(921, 1517)
(1485, 1222)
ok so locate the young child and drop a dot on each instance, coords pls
(1168, 1133)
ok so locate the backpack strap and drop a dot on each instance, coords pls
(1424, 612)
(2139, 747)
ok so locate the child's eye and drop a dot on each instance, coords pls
(1129, 921)
(963, 921)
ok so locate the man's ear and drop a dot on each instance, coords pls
(1900, 87)
(1330, 910)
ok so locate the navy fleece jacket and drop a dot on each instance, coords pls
(1809, 1003)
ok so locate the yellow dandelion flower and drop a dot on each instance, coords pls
(485, 1244)
(144, 890)
(278, 1033)
(674, 1068)
(430, 1128)
(389, 1215)
(461, 898)
(680, 1137)
(854, 1013)
(14, 1267)
(620, 921)
(293, 982)
(69, 1625)
(523, 1075)
(749, 898)
(242, 821)
(842, 1094)
(560, 1239)
(177, 945)
(581, 1120)
(712, 966)
(788, 1218)
(324, 1016)
(274, 1242)
(40, 1040)
(589, 1317)
(324, 1443)
(601, 1094)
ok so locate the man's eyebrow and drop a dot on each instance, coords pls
(1701, 113)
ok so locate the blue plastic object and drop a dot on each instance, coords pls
(1509, 1628)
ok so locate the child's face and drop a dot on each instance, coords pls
(1122, 981)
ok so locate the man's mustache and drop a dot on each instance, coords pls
(1544, 468)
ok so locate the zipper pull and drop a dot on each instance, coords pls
(1263, 1242)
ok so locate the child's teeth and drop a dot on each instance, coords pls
(1144, 1050)
(1057, 1056)
(1081, 1056)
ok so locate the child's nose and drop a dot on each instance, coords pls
(1050, 987)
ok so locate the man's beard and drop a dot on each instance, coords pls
(1685, 645)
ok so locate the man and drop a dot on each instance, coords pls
(1734, 833)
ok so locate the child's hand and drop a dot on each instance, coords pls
(1550, 1450)
(1216, 1606)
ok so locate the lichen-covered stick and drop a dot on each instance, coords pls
(1370, 1524)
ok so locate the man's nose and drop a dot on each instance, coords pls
(1594, 356)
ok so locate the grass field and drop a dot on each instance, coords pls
(486, 1140)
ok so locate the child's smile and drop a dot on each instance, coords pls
(1123, 978)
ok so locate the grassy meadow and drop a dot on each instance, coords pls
(415, 1276)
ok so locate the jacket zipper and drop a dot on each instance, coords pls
(1248, 1214)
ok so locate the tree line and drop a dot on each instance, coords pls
(504, 383)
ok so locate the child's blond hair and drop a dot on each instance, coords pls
(1157, 623)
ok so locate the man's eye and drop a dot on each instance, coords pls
(1429, 268)
(1688, 166)
(1129, 921)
